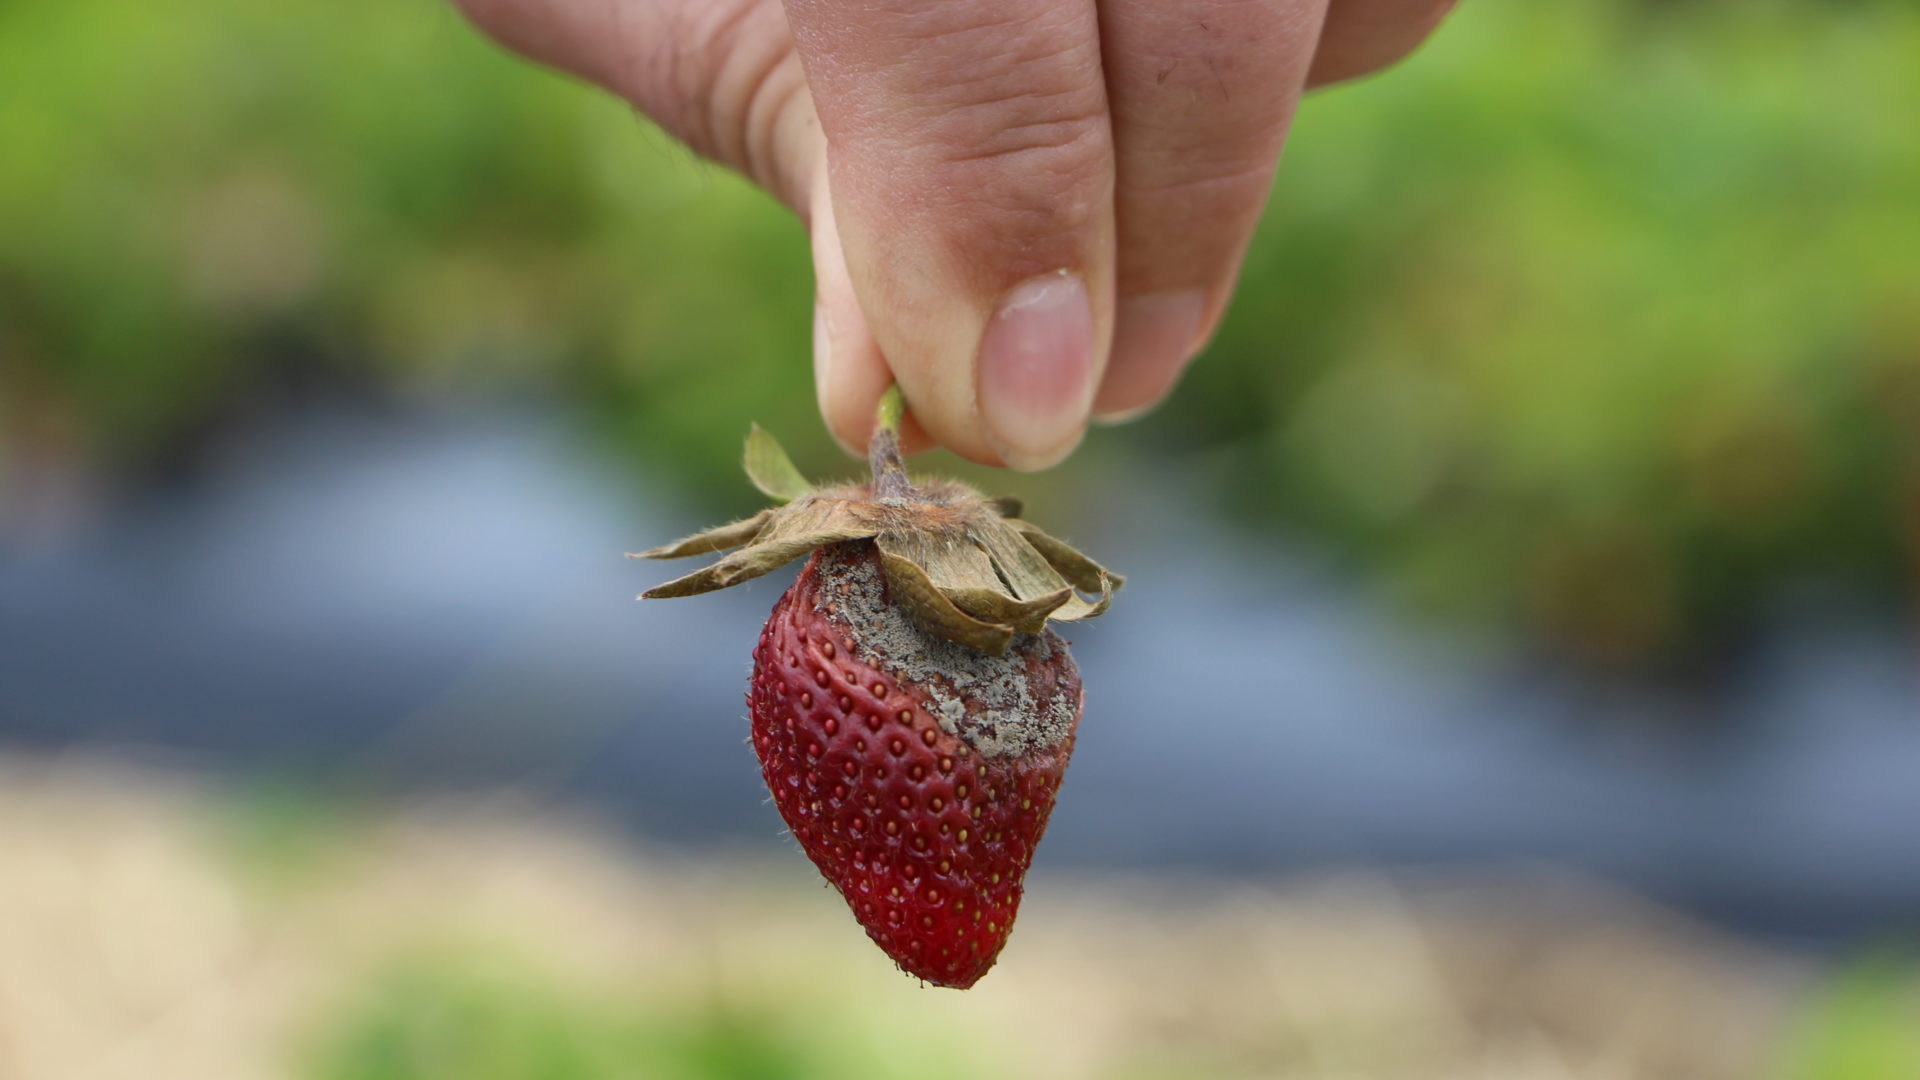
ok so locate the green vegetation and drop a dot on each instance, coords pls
(1594, 322)
(198, 192)
(1866, 1026)
(1596, 319)
(471, 1014)
(284, 835)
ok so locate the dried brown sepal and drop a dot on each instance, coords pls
(1081, 572)
(719, 538)
(746, 564)
(964, 567)
(1031, 574)
(909, 586)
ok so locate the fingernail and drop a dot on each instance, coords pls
(1035, 370)
(1154, 339)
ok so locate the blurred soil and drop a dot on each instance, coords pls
(151, 929)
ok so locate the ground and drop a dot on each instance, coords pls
(155, 927)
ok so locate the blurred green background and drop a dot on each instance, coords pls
(1591, 326)
(1589, 331)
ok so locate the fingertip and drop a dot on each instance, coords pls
(849, 375)
(823, 385)
(848, 371)
(914, 438)
(1155, 337)
(1362, 37)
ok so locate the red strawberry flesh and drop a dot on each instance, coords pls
(917, 774)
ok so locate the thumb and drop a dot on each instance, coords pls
(970, 177)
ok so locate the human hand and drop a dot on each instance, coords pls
(1026, 212)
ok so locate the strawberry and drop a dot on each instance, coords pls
(927, 828)
(912, 713)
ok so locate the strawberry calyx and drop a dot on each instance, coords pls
(964, 567)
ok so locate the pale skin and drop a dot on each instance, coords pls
(1028, 213)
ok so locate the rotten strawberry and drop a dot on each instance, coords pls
(912, 713)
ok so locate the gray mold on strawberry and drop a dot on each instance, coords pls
(1001, 706)
(911, 710)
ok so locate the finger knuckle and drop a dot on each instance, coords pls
(1200, 181)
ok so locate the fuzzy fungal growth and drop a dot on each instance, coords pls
(1025, 699)
(911, 710)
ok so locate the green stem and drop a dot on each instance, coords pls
(883, 450)
(892, 409)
